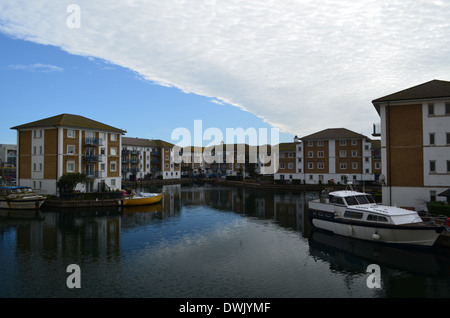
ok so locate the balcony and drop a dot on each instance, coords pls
(92, 174)
(89, 141)
(93, 158)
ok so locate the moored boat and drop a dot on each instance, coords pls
(142, 199)
(355, 214)
(20, 198)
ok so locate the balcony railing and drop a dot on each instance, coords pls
(93, 141)
(93, 158)
(95, 174)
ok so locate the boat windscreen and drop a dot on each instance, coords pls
(351, 200)
(362, 199)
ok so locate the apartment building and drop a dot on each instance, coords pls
(66, 143)
(415, 144)
(336, 155)
(162, 160)
(289, 161)
(136, 160)
(148, 159)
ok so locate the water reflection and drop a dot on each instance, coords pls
(202, 232)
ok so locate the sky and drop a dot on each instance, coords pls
(154, 67)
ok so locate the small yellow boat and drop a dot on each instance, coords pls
(143, 199)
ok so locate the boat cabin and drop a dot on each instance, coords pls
(358, 206)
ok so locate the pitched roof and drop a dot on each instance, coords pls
(431, 89)
(334, 133)
(69, 120)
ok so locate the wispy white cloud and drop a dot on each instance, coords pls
(38, 67)
(301, 66)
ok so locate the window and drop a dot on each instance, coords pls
(430, 109)
(354, 142)
(290, 155)
(320, 165)
(113, 166)
(320, 154)
(377, 165)
(113, 151)
(353, 215)
(310, 165)
(310, 154)
(342, 142)
(70, 133)
(70, 166)
(376, 218)
(337, 200)
(343, 153)
(432, 195)
(432, 166)
(354, 153)
(354, 165)
(351, 201)
(113, 137)
(113, 182)
(310, 143)
(320, 143)
(37, 133)
(343, 165)
(290, 165)
(431, 138)
(70, 149)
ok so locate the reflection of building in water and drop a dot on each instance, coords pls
(286, 208)
(172, 199)
(289, 210)
(72, 234)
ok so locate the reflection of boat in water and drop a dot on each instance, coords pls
(157, 207)
(19, 197)
(355, 214)
(343, 253)
(143, 198)
(22, 214)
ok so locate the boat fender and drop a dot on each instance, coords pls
(376, 236)
(350, 230)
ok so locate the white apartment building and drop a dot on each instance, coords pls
(415, 144)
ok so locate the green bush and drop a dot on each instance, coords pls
(438, 208)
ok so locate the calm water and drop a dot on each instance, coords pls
(206, 242)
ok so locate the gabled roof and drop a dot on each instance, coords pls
(334, 133)
(429, 90)
(68, 120)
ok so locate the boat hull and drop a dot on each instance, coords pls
(22, 204)
(142, 200)
(422, 235)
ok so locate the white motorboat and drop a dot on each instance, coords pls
(355, 214)
(22, 198)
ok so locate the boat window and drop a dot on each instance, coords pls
(370, 199)
(376, 218)
(353, 215)
(351, 201)
(337, 200)
(362, 199)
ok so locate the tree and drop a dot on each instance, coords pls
(68, 182)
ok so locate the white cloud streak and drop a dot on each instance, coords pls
(38, 67)
(300, 65)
